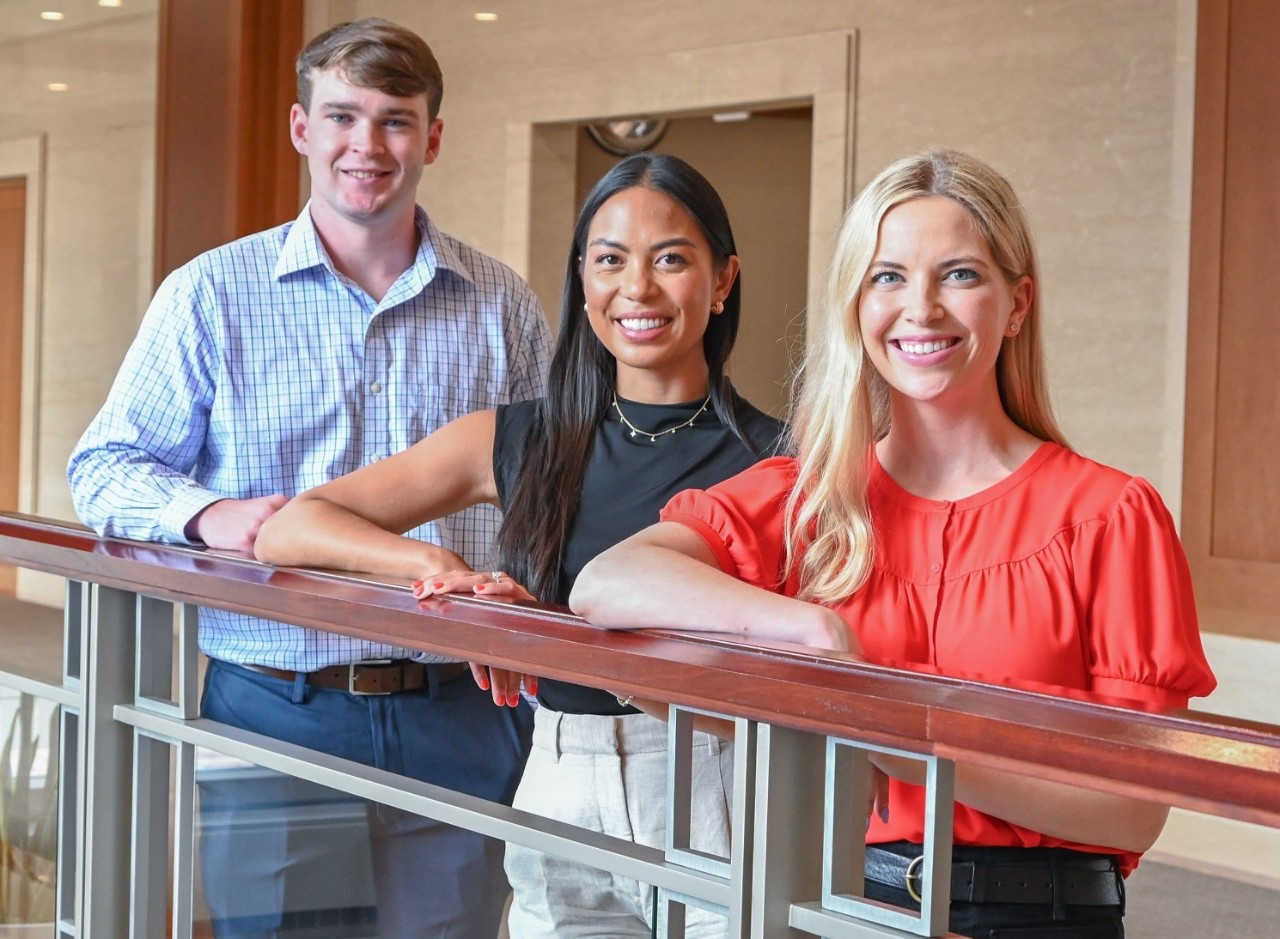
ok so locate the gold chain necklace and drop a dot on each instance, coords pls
(662, 433)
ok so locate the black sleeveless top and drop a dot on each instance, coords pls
(628, 479)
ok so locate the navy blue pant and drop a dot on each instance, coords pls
(269, 843)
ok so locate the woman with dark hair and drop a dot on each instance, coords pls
(638, 407)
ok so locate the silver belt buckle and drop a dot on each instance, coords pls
(351, 677)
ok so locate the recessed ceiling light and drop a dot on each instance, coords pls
(57, 86)
(728, 117)
(50, 15)
(486, 17)
(110, 3)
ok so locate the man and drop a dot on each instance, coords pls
(280, 361)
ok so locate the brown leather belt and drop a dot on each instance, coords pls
(374, 676)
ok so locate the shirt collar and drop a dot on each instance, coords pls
(435, 252)
(303, 250)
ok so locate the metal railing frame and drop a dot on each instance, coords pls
(130, 724)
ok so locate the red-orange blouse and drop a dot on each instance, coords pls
(1066, 574)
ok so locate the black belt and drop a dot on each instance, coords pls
(1083, 880)
(375, 676)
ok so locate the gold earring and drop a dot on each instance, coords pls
(717, 308)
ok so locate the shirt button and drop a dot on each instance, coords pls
(376, 388)
(934, 568)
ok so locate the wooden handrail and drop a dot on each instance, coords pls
(1211, 764)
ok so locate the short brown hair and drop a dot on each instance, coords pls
(374, 53)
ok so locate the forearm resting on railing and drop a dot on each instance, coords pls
(311, 532)
(666, 577)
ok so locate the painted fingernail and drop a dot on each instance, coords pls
(438, 585)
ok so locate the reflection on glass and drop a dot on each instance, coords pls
(28, 808)
(282, 855)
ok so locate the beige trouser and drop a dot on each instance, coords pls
(609, 774)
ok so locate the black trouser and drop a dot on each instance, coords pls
(1020, 920)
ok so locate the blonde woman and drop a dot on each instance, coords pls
(935, 510)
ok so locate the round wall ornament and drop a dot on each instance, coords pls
(623, 138)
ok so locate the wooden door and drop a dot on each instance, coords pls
(13, 223)
(1231, 484)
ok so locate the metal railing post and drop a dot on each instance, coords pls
(787, 836)
(105, 766)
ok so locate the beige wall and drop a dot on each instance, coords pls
(1084, 105)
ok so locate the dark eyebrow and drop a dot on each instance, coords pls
(659, 246)
(605, 242)
(352, 106)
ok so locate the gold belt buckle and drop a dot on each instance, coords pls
(913, 874)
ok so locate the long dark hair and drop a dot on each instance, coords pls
(544, 501)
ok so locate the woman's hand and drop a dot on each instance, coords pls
(503, 683)
(481, 583)
(878, 795)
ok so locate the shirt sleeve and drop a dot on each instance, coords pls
(741, 520)
(129, 472)
(531, 350)
(1143, 628)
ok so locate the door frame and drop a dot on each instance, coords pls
(817, 70)
(25, 157)
(1235, 596)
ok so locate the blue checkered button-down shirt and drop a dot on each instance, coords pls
(260, 369)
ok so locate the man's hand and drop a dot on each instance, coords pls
(232, 524)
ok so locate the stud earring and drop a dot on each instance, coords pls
(1014, 326)
(717, 308)
(586, 309)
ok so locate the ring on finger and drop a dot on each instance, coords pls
(497, 576)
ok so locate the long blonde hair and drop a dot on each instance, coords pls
(842, 407)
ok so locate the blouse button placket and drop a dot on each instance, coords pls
(935, 556)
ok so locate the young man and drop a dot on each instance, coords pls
(280, 361)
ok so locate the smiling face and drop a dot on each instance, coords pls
(650, 282)
(365, 150)
(935, 307)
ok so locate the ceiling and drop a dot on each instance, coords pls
(20, 19)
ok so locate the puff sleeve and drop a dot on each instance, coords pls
(1144, 635)
(741, 520)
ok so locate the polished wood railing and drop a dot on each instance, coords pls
(1205, 763)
